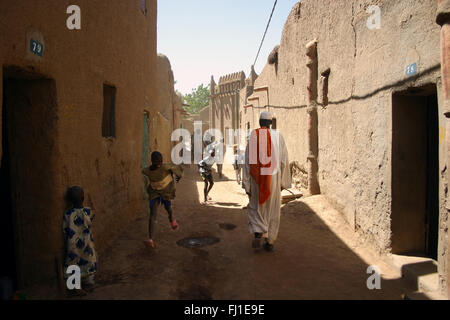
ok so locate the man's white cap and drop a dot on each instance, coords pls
(265, 116)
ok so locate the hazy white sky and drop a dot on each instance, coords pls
(217, 37)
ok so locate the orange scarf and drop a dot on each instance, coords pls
(263, 180)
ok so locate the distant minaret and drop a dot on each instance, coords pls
(250, 81)
(212, 107)
(212, 88)
(253, 76)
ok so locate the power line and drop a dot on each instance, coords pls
(265, 32)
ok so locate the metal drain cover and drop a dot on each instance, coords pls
(227, 226)
(197, 242)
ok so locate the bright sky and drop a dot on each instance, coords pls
(217, 37)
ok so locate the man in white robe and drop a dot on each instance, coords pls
(264, 218)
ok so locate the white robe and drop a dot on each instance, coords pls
(265, 218)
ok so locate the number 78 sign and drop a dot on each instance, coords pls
(411, 69)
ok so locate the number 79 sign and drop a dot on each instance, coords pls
(36, 48)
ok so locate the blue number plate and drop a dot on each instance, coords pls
(36, 48)
(411, 69)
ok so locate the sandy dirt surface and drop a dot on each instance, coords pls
(316, 256)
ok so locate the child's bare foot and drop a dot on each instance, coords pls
(174, 225)
(149, 243)
(77, 293)
(89, 288)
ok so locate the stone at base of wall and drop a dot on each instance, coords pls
(422, 274)
(299, 176)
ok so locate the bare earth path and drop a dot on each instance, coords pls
(314, 258)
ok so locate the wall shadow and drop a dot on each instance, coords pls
(310, 261)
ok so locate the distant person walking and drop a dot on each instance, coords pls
(205, 169)
(221, 156)
(238, 162)
(266, 173)
(197, 133)
(219, 150)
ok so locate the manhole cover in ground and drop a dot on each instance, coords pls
(227, 226)
(197, 242)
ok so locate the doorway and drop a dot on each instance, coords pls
(415, 172)
(27, 188)
(8, 269)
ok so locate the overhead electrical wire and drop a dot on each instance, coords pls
(265, 32)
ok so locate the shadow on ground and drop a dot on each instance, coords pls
(309, 262)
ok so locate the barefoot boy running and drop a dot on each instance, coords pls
(161, 190)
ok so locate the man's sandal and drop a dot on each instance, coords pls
(268, 247)
(256, 243)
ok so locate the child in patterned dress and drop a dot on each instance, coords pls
(79, 242)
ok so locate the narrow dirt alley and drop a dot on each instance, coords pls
(310, 261)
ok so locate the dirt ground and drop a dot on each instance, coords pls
(315, 257)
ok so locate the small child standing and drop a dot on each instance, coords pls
(79, 242)
(161, 190)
